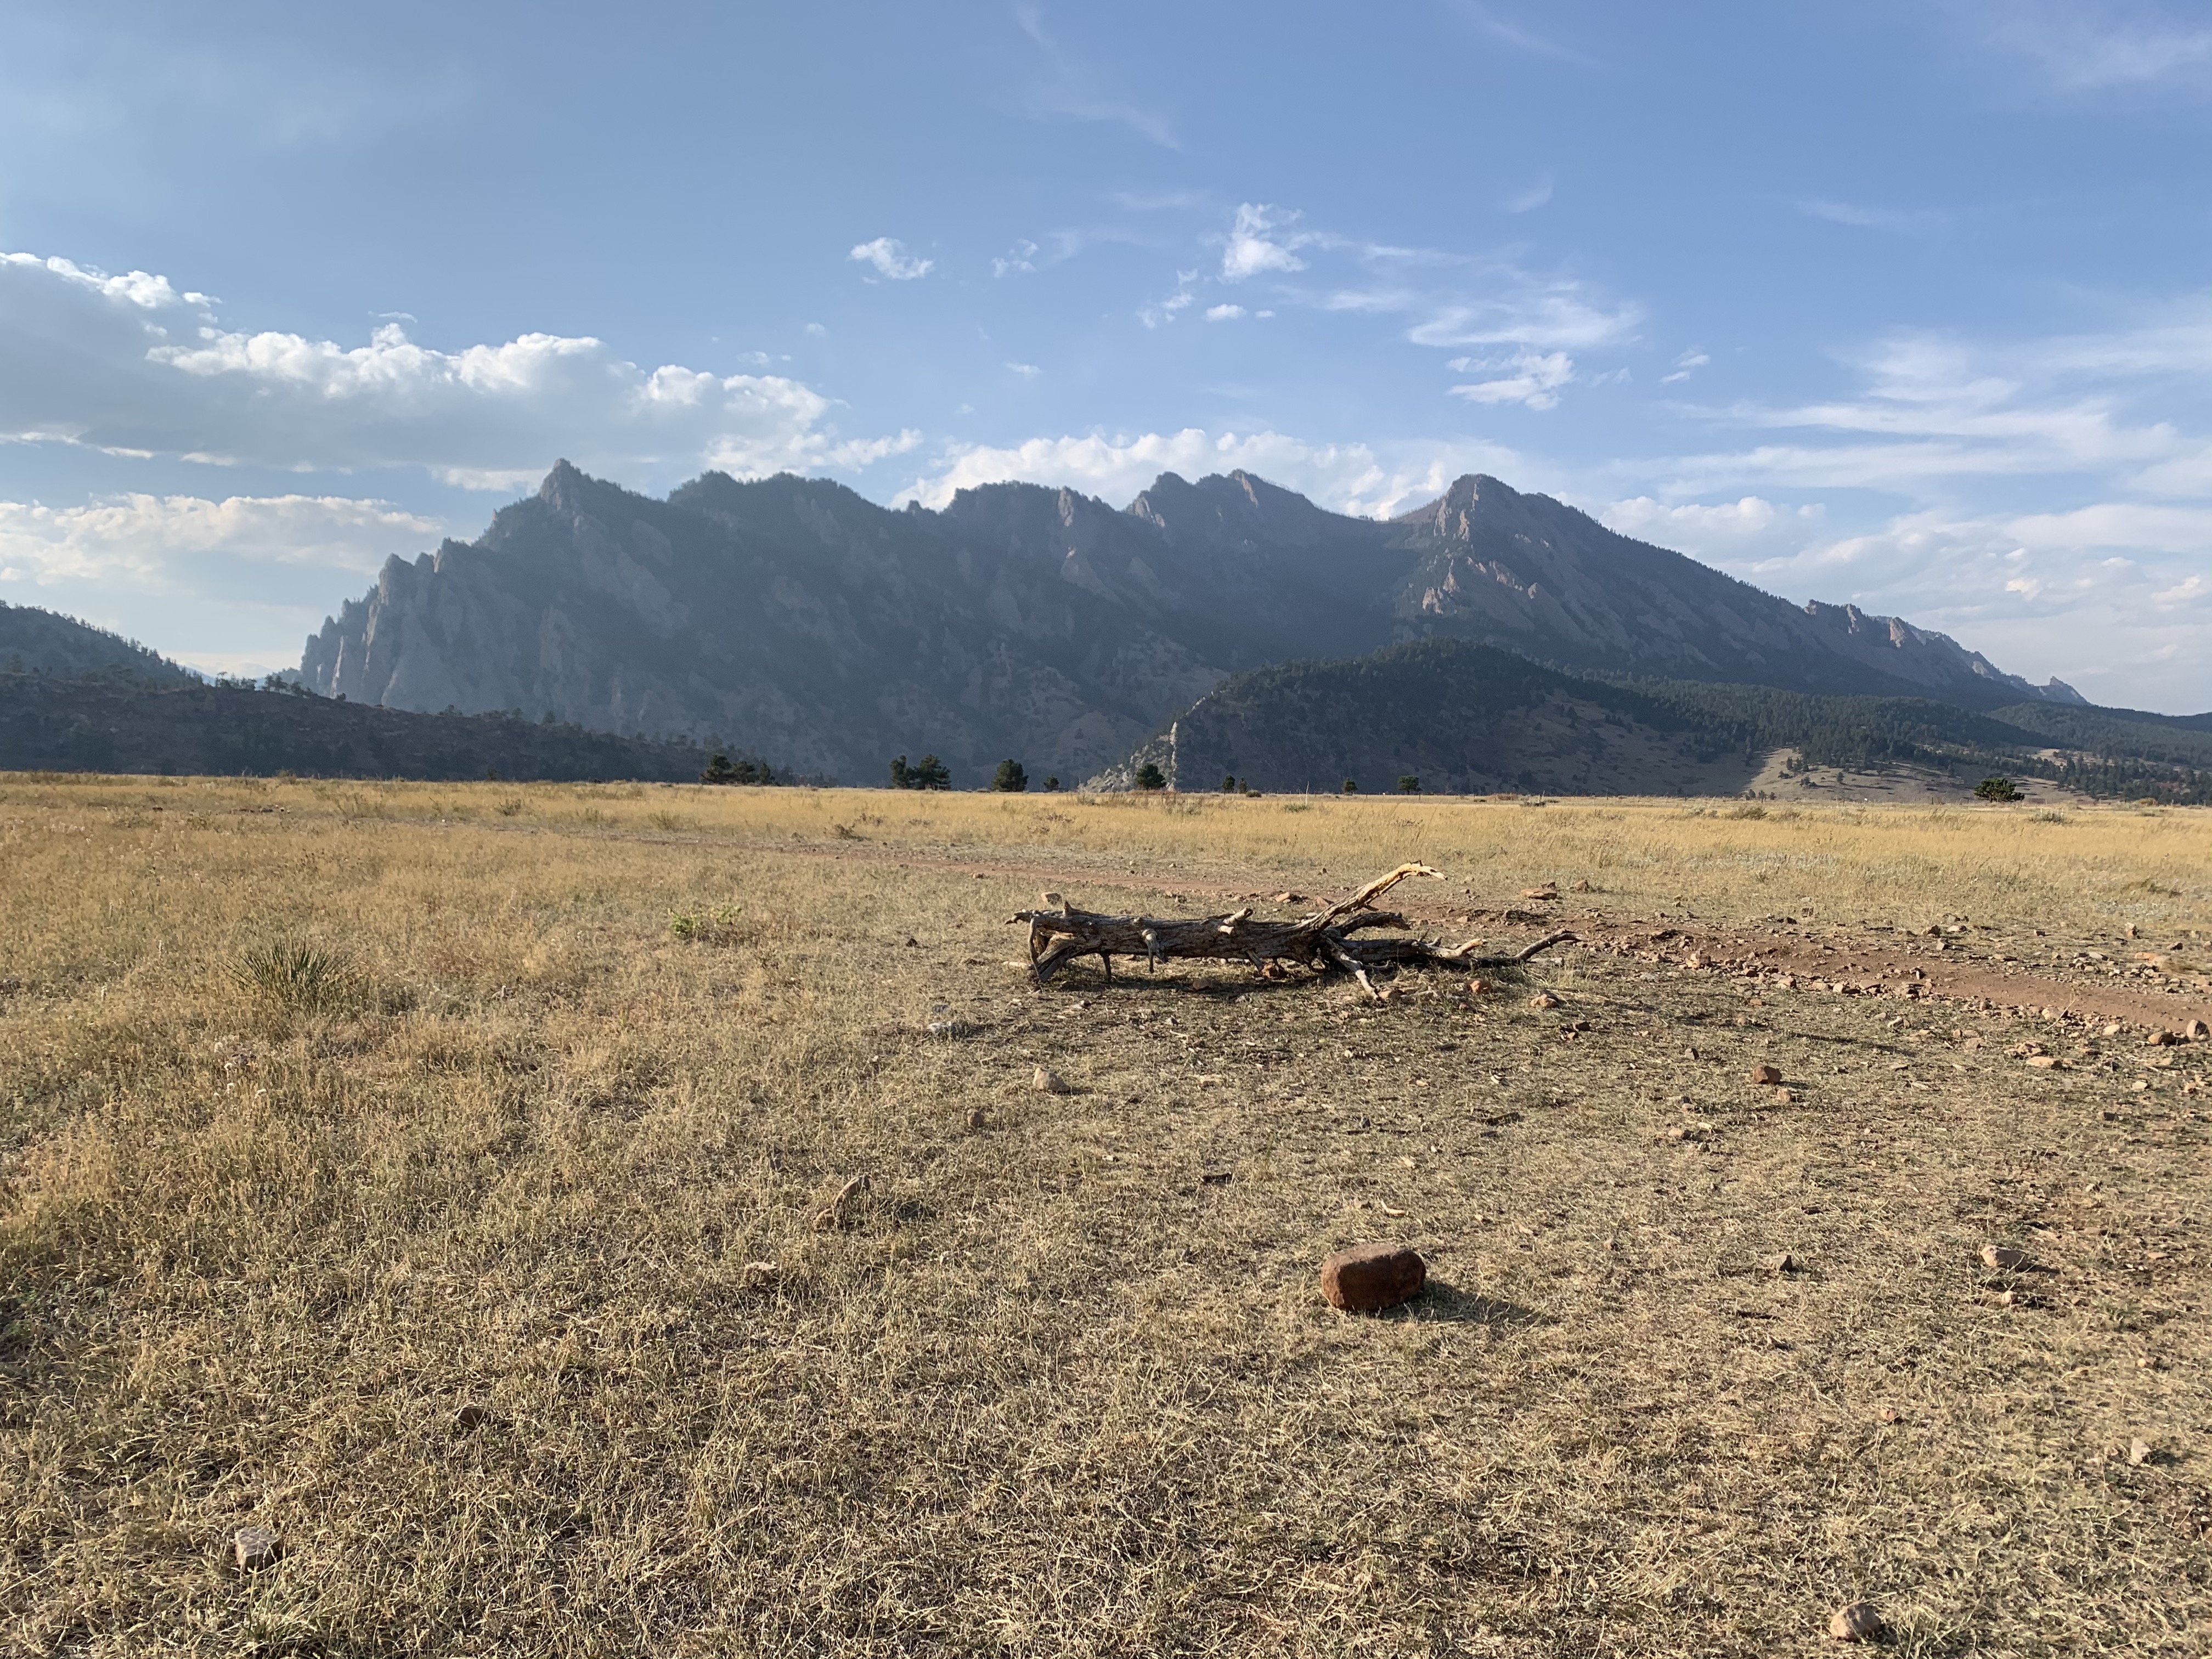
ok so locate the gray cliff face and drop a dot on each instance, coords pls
(793, 619)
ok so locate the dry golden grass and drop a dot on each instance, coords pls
(331, 1111)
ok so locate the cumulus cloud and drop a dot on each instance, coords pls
(132, 366)
(1258, 241)
(1531, 379)
(152, 539)
(1354, 478)
(892, 262)
(1223, 313)
(1691, 526)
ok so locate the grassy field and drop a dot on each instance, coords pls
(447, 1179)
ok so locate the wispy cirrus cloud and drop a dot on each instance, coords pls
(1445, 299)
(1862, 217)
(2097, 45)
(1526, 378)
(1063, 87)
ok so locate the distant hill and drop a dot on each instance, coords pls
(1465, 718)
(38, 642)
(1041, 624)
(110, 723)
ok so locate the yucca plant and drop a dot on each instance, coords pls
(292, 975)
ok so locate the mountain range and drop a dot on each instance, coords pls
(796, 619)
(1455, 717)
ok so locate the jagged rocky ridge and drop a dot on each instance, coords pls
(798, 619)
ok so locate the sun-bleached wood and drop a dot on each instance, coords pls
(1323, 941)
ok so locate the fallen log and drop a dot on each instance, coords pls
(1324, 942)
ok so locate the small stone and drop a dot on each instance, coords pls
(1289, 898)
(1767, 1076)
(2140, 1452)
(471, 1415)
(1372, 1277)
(978, 1118)
(1888, 1414)
(1476, 988)
(1547, 891)
(1543, 999)
(912, 943)
(2114, 1029)
(1050, 1082)
(2006, 1259)
(2162, 1039)
(2046, 1062)
(1856, 1621)
(255, 1548)
(1782, 1262)
(1582, 887)
(2197, 1030)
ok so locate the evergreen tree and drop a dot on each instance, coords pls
(1010, 779)
(1351, 787)
(1409, 785)
(718, 770)
(1150, 776)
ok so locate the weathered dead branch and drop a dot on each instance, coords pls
(1324, 942)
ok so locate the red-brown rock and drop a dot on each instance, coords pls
(1372, 1277)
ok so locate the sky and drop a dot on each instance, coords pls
(1905, 303)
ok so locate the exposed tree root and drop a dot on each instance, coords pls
(1324, 942)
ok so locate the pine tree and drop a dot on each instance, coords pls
(1150, 776)
(1010, 779)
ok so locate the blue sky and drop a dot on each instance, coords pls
(1905, 304)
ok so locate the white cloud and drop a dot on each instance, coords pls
(1072, 91)
(1257, 243)
(153, 539)
(1682, 524)
(1346, 477)
(2110, 597)
(2089, 46)
(1686, 365)
(1223, 313)
(1534, 380)
(130, 366)
(1529, 200)
(1556, 315)
(1027, 371)
(1166, 311)
(892, 262)
(1868, 218)
(1020, 257)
